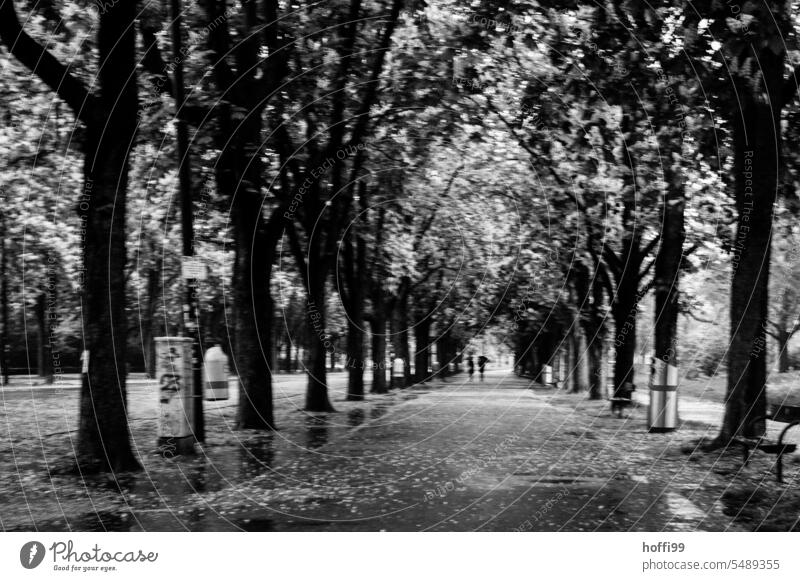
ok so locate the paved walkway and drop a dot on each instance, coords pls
(503, 455)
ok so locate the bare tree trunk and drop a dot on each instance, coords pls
(103, 436)
(401, 337)
(149, 318)
(317, 389)
(783, 351)
(103, 441)
(624, 311)
(757, 147)
(667, 271)
(378, 347)
(595, 368)
(4, 299)
(422, 355)
(44, 359)
(579, 346)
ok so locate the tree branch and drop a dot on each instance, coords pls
(646, 270)
(42, 63)
(649, 247)
(614, 263)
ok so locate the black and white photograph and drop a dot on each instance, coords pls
(391, 266)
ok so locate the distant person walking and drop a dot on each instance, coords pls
(470, 367)
(482, 361)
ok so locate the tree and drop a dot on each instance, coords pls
(749, 39)
(110, 121)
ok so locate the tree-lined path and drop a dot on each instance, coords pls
(501, 455)
(355, 204)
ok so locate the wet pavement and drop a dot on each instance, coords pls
(503, 455)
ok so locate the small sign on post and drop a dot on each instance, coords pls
(176, 390)
(193, 268)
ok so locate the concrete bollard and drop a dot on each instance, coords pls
(176, 389)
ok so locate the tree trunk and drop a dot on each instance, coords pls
(103, 436)
(239, 179)
(422, 355)
(317, 390)
(442, 352)
(402, 348)
(354, 269)
(595, 368)
(570, 370)
(783, 351)
(757, 146)
(624, 311)
(355, 353)
(254, 314)
(149, 318)
(667, 270)
(378, 347)
(582, 371)
(4, 299)
(44, 359)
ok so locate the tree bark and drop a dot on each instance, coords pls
(783, 350)
(103, 442)
(378, 325)
(239, 172)
(317, 388)
(422, 355)
(401, 335)
(624, 310)
(44, 359)
(667, 271)
(103, 436)
(4, 299)
(582, 370)
(354, 269)
(595, 369)
(149, 318)
(757, 147)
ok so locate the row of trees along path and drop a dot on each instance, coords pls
(410, 174)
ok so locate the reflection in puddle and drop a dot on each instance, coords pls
(317, 431)
(256, 456)
(378, 412)
(269, 525)
(256, 525)
(197, 477)
(355, 417)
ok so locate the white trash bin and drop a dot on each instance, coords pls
(215, 374)
(547, 375)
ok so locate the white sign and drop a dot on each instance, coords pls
(195, 268)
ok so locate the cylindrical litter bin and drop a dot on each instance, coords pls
(398, 376)
(176, 390)
(612, 363)
(215, 374)
(547, 375)
(663, 413)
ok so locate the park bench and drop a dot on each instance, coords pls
(622, 399)
(780, 413)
